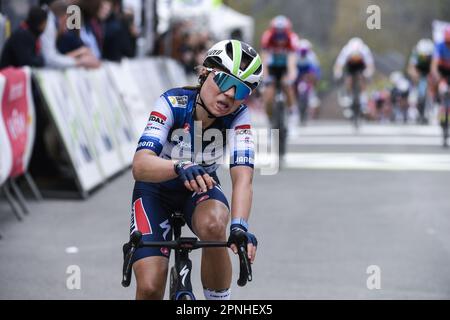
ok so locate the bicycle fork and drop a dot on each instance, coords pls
(180, 277)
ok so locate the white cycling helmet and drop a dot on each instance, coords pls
(304, 44)
(237, 58)
(425, 47)
(356, 42)
(395, 76)
(403, 84)
(281, 22)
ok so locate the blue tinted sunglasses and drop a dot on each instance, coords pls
(226, 81)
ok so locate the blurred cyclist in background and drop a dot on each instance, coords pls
(419, 69)
(440, 68)
(399, 96)
(355, 57)
(308, 73)
(379, 105)
(279, 60)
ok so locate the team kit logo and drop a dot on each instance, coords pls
(158, 118)
(178, 101)
(243, 129)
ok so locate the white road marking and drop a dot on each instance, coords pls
(71, 250)
(360, 161)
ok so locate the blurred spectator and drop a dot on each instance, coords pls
(236, 34)
(51, 56)
(23, 48)
(184, 43)
(91, 30)
(69, 42)
(120, 33)
(57, 26)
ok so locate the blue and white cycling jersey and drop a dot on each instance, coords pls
(308, 63)
(442, 53)
(173, 133)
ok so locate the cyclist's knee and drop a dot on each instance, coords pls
(149, 291)
(151, 276)
(211, 223)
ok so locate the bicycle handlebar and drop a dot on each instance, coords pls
(129, 248)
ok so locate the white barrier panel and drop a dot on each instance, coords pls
(67, 117)
(94, 119)
(165, 78)
(148, 81)
(5, 146)
(127, 87)
(119, 124)
(176, 73)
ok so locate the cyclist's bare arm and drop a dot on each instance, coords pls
(264, 57)
(148, 167)
(241, 199)
(434, 68)
(412, 72)
(292, 66)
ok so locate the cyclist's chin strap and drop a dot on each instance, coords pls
(202, 104)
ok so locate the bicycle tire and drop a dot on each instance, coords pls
(280, 110)
(356, 105)
(445, 127)
(173, 283)
(185, 297)
(303, 108)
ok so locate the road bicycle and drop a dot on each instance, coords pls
(356, 99)
(445, 101)
(180, 272)
(279, 115)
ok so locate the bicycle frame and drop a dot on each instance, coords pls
(356, 103)
(445, 125)
(180, 279)
(278, 116)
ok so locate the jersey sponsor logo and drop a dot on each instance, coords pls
(150, 127)
(157, 117)
(178, 101)
(243, 129)
(242, 159)
(184, 145)
(146, 144)
(139, 218)
(166, 226)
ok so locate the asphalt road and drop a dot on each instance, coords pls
(344, 202)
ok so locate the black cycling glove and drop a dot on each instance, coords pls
(188, 170)
(240, 236)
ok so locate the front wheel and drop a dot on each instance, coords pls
(279, 123)
(445, 128)
(173, 283)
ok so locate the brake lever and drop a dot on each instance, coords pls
(245, 273)
(128, 249)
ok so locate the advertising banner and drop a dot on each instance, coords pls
(18, 116)
(5, 146)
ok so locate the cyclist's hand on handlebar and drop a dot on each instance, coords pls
(194, 177)
(240, 236)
